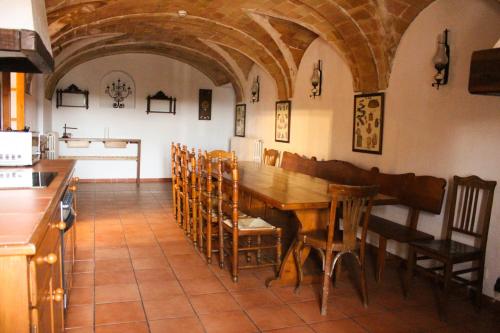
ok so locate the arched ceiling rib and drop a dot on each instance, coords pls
(225, 38)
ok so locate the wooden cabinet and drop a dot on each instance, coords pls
(31, 271)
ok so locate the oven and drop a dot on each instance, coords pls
(68, 217)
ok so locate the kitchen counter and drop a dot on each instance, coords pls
(25, 213)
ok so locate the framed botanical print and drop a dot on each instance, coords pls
(368, 123)
(205, 106)
(282, 125)
(239, 119)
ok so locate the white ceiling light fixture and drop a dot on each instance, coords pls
(182, 13)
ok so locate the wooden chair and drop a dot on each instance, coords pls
(245, 234)
(468, 215)
(208, 230)
(271, 157)
(192, 194)
(207, 212)
(178, 184)
(355, 203)
(183, 189)
(174, 180)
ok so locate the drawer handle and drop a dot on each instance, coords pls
(50, 259)
(76, 179)
(61, 225)
(58, 294)
(72, 188)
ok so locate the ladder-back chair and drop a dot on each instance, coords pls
(468, 216)
(245, 234)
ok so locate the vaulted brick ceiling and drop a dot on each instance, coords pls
(224, 38)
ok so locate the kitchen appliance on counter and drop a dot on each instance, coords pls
(19, 148)
(24, 179)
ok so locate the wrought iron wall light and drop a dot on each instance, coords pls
(441, 60)
(316, 80)
(118, 92)
(255, 90)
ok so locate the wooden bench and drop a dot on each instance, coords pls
(417, 193)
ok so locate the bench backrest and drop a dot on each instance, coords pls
(424, 193)
(296, 163)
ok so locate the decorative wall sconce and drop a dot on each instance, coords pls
(316, 80)
(118, 92)
(441, 60)
(255, 89)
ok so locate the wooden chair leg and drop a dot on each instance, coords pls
(412, 259)
(364, 287)
(479, 286)
(200, 231)
(209, 241)
(259, 251)
(221, 245)
(248, 254)
(235, 258)
(194, 233)
(326, 282)
(297, 253)
(448, 271)
(382, 248)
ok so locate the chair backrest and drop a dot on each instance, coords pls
(227, 189)
(205, 185)
(222, 154)
(271, 157)
(356, 203)
(192, 173)
(470, 207)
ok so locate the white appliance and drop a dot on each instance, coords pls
(247, 149)
(19, 148)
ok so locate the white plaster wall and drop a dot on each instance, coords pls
(441, 132)
(150, 74)
(311, 119)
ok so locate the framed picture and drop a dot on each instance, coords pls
(282, 125)
(205, 106)
(368, 123)
(239, 119)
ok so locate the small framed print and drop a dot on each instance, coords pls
(239, 119)
(282, 125)
(205, 107)
(368, 123)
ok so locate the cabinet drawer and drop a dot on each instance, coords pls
(44, 265)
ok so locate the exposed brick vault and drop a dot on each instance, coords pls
(225, 38)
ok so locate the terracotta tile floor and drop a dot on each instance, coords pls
(136, 272)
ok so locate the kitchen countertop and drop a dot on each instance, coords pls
(25, 213)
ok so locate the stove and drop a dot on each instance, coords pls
(24, 178)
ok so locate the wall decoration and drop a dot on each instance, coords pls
(117, 91)
(72, 97)
(368, 123)
(159, 102)
(205, 106)
(240, 119)
(282, 125)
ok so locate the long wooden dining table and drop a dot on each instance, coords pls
(304, 195)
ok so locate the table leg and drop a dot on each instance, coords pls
(382, 246)
(310, 219)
